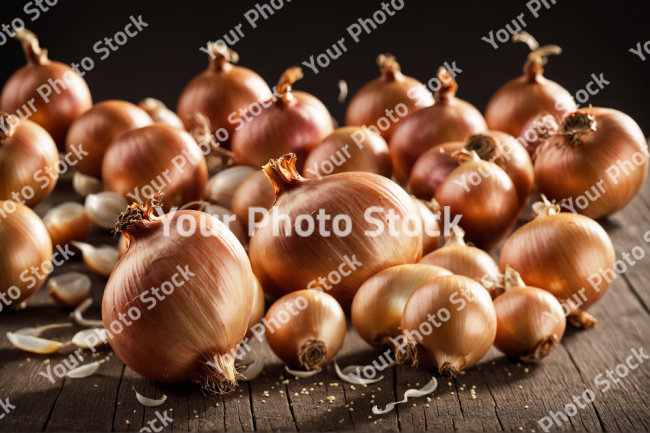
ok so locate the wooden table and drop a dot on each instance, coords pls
(510, 395)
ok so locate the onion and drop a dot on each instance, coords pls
(435, 165)
(598, 161)
(452, 320)
(306, 328)
(449, 119)
(98, 127)
(383, 94)
(524, 97)
(26, 151)
(67, 222)
(159, 113)
(430, 225)
(296, 122)
(255, 191)
(26, 246)
(462, 259)
(287, 263)
(536, 131)
(530, 321)
(221, 213)
(222, 186)
(201, 323)
(484, 195)
(85, 185)
(558, 252)
(154, 158)
(378, 305)
(337, 154)
(57, 110)
(220, 91)
(257, 313)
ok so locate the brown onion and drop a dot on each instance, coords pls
(26, 151)
(295, 122)
(255, 191)
(159, 113)
(449, 119)
(220, 91)
(141, 160)
(58, 109)
(382, 94)
(524, 97)
(98, 127)
(598, 162)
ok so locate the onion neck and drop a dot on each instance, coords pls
(513, 280)
(456, 238)
(283, 175)
(137, 218)
(545, 208)
(576, 124)
(389, 68)
(542, 350)
(34, 54)
(283, 88)
(447, 91)
(312, 355)
(534, 66)
(8, 127)
(484, 145)
(221, 58)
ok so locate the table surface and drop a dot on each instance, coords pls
(509, 395)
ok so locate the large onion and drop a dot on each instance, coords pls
(288, 263)
(199, 315)
(295, 122)
(56, 111)
(383, 94)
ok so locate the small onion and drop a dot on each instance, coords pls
(221, 187)
(536, 131)
(349, 149)
(159, 113)
(221, 90)
(598, 161)
(430, 224)
(98, 127)
(56, 112)
(148, 159)
(530, 321)
(449, 119)
(26, 151)
(296, 122)
(392, 88)
(524, 97)
(452, 319)
(67, 222)
(104, 208)
(69, 289)
(309, 328)
(255, 191)
(85, 185)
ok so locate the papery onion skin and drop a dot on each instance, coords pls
(72, 229)
(378, 305)
(370, 102)
(219, 91)
(430, 242)
(373, 157)
(26, 149)
(462, 340)
(286, 264)
(98, 127)
(449, 119)
(141, 156)
(200, 321)
(321, 321)
(295, 122)
(256, 191)
(566, 167)
(25, 245)
(57, 114)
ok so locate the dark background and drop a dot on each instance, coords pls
(158, 62)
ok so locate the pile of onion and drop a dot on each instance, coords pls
(221, 90)
(392, 88)
(25, 149)
(598, 161)
(449, 119)
(340, 153)
(61, 109)
(558, 252)
(204, 311)
(255, 191)
(295, 122)
(524, 97)
(286, 263)
(140, 158)
(98, 127)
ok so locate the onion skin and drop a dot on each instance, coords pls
(321, 321)
(57, 114)
(219, 91)
(566, 168)
(97, 128)
(25, 245)
(62, 231)
(201, 322)
(256, 191)
(141, 156)
(294, 123)
(24, 150)
(370, 102)
(257, 313)
(378, 305)
(373, 157)
(460, 342)
(536, 131)
(285, 264)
